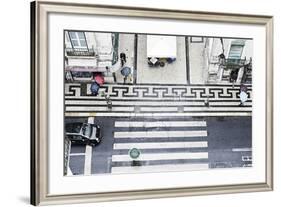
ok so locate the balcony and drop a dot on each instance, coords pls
(232, 64)
(79, 52)
(80, 57)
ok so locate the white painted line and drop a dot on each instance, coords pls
(247, 165)
(77, 154)
(157, 109)
(229, 103)
(160, 134)
(91, 120)
(246, 158)
(159, 145)
(98, 108)
(160, 124)
(69, 172)
(174, 109)
(88, 153)
(159, 168)
(134, 103)
(177, 114)
(162, 156)
(218, 108)
(88, 160)
(241, 149)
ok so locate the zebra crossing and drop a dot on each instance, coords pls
(166, 145)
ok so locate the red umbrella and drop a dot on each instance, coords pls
(99, 79)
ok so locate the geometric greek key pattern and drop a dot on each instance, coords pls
(159, 92)
(160, 100)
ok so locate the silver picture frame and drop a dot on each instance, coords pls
(39, 100)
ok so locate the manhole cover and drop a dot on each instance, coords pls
(137, 109)
(181, 109)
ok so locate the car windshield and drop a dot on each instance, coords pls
(86, 130)
(73, 127)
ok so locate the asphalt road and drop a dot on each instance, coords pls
(229, 140)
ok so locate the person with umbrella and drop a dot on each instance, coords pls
(125, 71)
(95, 86)
(243, 95)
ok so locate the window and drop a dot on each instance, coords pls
(236, 49)
(78, 40)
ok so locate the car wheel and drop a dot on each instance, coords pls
(93, 143)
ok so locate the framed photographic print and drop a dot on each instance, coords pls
(134, 103)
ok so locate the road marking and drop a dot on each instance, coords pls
(159, 168)
(156, 109)
(246, 158)
(145, 109)
(241, 149)
(88, 153)
(222, 109)
(159, 145)
(98, 108)
(91, 120)
(77, 154)
(159, 134)
(160, 124)
(69, 172)
(230, 103)
(247, 165)
(162, 156)
(88, 160)
(176, 114)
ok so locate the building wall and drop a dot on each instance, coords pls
(203, 57)
(90, 37)
(197, 61)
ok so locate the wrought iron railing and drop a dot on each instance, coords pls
(232, 63)
(115, 43)
(79, 52)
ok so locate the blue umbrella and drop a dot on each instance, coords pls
(125, 71)
(95, 88)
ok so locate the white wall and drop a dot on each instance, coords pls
(197, 62)
(14, 156)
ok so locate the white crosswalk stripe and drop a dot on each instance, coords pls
(159, 168)
(158, 155)
(154, 114)
(160, 124)
(156, 109)
(159, 134)
(160, 145)
(163, 156)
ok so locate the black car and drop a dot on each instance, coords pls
(83, 133)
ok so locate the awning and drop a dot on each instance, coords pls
(85, 69)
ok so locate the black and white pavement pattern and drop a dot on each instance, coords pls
(176, 127)
(156, 100)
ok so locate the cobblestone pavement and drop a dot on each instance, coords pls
(156, 100)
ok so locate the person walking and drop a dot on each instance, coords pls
(122, 58)
(243, 95)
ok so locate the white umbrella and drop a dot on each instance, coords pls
(243, 96)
